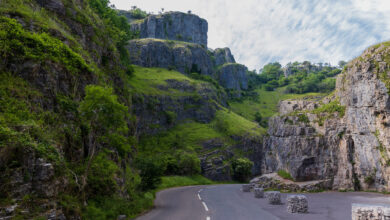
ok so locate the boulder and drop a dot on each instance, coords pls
(246, 187)
(370, 212)
(273, 197)
(173, 26)
(259, 192)
(297, 204)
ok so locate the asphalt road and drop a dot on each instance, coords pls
(228, 202)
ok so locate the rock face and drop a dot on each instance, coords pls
(233, 76)
(297, 204)
(369, 212)
(154, 113)
(174, 26)
(222, 56)
(181, 56)
(352, 149)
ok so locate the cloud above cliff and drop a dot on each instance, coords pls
(262, 31)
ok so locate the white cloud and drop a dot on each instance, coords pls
(262, 31)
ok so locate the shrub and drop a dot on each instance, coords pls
(138, 13)
(171, 117)
(369, 180)
(101, 178)
(171, 164)
(16, 42)
(189, 164)
(242, 169)
(151, 171)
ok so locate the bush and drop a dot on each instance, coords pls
(189, 164)
(242, 169)
(138, 13)
(101, 178)
(151, 171)
(171, 164)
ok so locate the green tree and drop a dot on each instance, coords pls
(189, 164)
(273, 70)
(105, 119)
(242, 169)
(151, 171)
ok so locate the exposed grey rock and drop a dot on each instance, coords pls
(222, 56)
(273, 197)
(370, 211)
(173, 26)
(288, 106)
(352, 150)
(53, 5)
(297, 204)
(246, 187)
(181, 56)
(273, 181)
(233, 76)
(10, 209)
(259, 192)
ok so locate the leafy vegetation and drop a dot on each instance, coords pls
(242, 169)
(137, 13)
(265, 103)
(17, 43)
(302, 77)
(284, 174)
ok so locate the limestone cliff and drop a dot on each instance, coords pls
(222, 56)
(344, 137)
(233, 76)
(181, 56)
(173, 26)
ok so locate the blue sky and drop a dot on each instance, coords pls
(263, 31)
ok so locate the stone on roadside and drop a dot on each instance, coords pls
(259, 192)
(274, 197)
(297, 204)
(246, 187)
(370, 211)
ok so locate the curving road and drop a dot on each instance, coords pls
(228, 202)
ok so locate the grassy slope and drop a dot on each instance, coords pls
(150, 81)
(267, 103)
(188, 135)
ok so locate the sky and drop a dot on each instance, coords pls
(263, 31)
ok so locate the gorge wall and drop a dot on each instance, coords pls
(343, 137)
(173, 26)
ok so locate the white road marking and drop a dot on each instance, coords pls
(208, 218)
(199, 197)
(205, 206)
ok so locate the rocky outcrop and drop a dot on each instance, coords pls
(222, 56)
(274, 181)
(233, 76)
(352, 148)
(160, 112)
(173, 26)
(181, 56)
